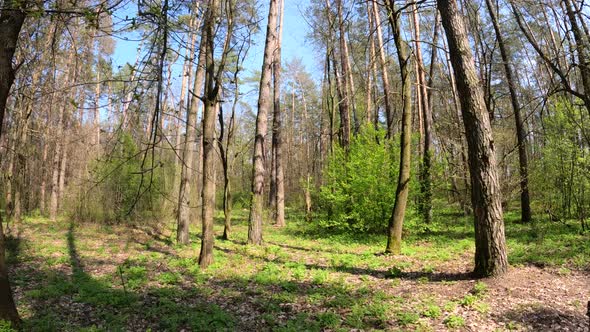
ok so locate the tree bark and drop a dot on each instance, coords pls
(182, 103)
(213, 86)
(189, 146)
(59, 143)
(396, 220)
(347, 82)
(525, 203)
(277, 136)
(11, 22)
(425, 201)
(490, 243)
(384, 73)
(264, 105)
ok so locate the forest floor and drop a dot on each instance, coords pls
(86, 277)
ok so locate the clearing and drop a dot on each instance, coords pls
(89, 277)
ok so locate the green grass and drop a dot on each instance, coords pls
(90, 277)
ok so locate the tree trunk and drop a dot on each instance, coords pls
(11, 21)
(213, 86)
(59, 143)
(371, 69)
(347, 82)
(394, 238)
(95, 141)
(490, 243)
(525, 203)
(277, 139)
(264, 104)
(43, 186)
(225, 156)
(189, 146)
(425, 201)
(62, 176)
(384, 72)
(182, 103)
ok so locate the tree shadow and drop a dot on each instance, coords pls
(359, 271)
(63, 299)
(59, 300)
(13, 248)
(543, 318)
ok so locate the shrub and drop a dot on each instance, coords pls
(359, 185)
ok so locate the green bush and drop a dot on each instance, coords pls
(358, 188)
(560, 180)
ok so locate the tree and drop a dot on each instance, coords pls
(12, 17)
(213, 86)
(424, 107)
(384, 72)
(189, 146)
(490, 244)
(395, 224)
(264, 104)
(277, 137)
(525, 202)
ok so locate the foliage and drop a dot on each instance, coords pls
(359, 184)
(6, 326)
(453, 321)
(120, 188)
(561, 177)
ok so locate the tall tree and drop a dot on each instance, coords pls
(387, 102)
(525, 202)
(490, 243)
(213, 86)
(346, 73)
(12, 16)
(395, 225)
(264, 105)
(277, 138)
(189, 146)
(425, 201)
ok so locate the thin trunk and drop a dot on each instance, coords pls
(43, 186)
(525, 203)
(60, 124)
(384, 73)
(277, 139)
(395, 226)
(264, 105)
(490, 243)
(225, 157)
(213, 86)
(425, 201)
(370, 69)
(95, 141)
(347, 82)
(184, 195)
(62, 176)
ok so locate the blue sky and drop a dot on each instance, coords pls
(294, 42)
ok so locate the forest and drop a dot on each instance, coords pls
(317, 165)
